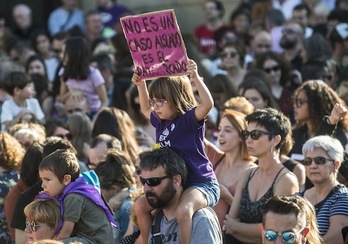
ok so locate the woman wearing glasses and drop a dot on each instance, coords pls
(43, 217)
(323, 157)
(290, 219)
(232, 58)
(318, 110)
(265, 134)
(278, 77)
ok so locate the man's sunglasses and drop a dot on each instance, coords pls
(320, 160)
(155, 181)
(32, 225)
(287, 236)
(254, 134)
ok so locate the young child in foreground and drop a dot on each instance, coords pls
(86, 217)
(172, 109)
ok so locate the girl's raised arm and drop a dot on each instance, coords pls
(207, 102)
(143, 94)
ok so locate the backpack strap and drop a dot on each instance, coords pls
(156, 228)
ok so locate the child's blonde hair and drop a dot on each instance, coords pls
(177, 90)
(45, 211)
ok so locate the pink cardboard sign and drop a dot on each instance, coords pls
(156, 44)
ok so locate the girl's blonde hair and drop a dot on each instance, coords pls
(45, 211)
(177, 90)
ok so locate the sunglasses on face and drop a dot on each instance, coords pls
(287, 236)
(254, 134)
(299, 102)
(229, 54)
(155, 181)
(157, 102)
(270, 69)
(32, 225)
(317, 160)
(137, 170)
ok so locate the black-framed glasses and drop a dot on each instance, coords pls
(320, 160)
(299, 102)
(254, 134)
(137, 170)
(155, 181)
(270, 69)
(157, 102)
(32, 225)
(287, 236)
(229, 54)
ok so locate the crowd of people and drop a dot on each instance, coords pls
(249, 147)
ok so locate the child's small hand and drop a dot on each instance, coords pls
(136, 78)
(192, 69)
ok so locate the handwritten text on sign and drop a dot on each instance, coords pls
(156, 45)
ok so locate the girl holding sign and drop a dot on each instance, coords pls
(172, 109)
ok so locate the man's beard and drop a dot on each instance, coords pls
(287, 44)
(165, 197)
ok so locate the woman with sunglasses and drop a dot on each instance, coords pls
(318, 110)
(43, 217)
(265, 134)
(278, 77)
(323, 157)
(290, 219)
(232, 58)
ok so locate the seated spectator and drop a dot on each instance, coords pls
(80, 128)
(74, 101)
(78, 74)
(323, 156)
(11, 155)
(164, 175)
(240, 104)
(116, 176)
(258, 93)
(313, 101)
(265, 134)
(27, 133)
(99, 147)
(65, 17)
(205, 33)
(25, 27)
(19, 53)
(117, 123)
(42, 46)
(57, 128)
(111, 14)
(42, 219)
(290, 219)
(29, 175)
(22, 107)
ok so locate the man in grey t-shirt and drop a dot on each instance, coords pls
(163, 174)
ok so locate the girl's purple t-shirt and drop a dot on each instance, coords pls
(186, 135)
(88, 87)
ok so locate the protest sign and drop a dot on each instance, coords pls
(155, 43)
